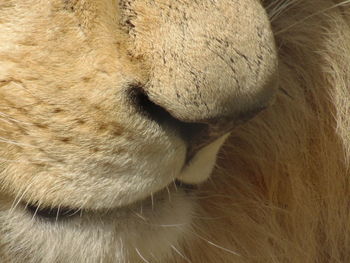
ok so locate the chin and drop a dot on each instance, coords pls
(148, 230)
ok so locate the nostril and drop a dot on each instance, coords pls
(160, 115)
(146, 107)
(196, 134)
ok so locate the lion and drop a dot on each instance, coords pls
(174, 131)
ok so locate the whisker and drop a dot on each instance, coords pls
(141, 209)
(178, 252)
(13, 207)
(57, 213)
(140, 255)
(169, 194)
(225, 249)
(80, 209)
(139, 215)
(277, 9)
(215, 245)
(16, 201)
(344, 3)
(152, 201)
(36, 211)
(175, 186)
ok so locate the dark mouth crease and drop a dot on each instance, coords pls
(52, 213)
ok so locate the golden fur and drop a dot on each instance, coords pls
(69, 137)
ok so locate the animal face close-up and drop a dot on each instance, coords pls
(174, 131)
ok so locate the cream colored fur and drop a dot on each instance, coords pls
(70, 136)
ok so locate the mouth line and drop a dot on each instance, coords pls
(55, 214)
(52, 213)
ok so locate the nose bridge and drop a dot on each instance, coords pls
(213, 63)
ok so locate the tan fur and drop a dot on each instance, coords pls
(70, 136)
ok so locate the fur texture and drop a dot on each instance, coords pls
(70, 136)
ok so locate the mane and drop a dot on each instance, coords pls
(280, 192)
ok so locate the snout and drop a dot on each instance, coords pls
(211, 71)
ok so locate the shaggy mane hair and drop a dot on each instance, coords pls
(280, 192)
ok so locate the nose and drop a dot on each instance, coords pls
(201, 121)
(204, 113)
(209, 73)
